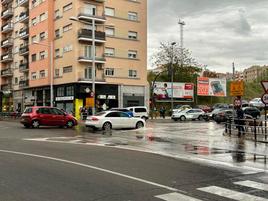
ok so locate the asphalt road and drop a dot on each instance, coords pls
(49, 170)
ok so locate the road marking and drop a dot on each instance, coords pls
(253, 184)
(234, 195)
(91, 167)
(176, 197)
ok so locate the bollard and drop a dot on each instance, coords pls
(255, 130)
(230, 126)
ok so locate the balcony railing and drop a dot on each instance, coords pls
(89, 15)
(7, 72)
(7, 13)
(24, 67)
(24, 50)
(23, 2)
(5, 1)
(23, 17)
(5, 58)
(7, 27)
(24, 33)
(7, 42)
(86, 35)
(23, 83)
(89, 59)
(7, 87)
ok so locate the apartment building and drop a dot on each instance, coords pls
(46, 42)
(255, 73)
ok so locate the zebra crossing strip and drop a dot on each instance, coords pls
(176, 197)
(235, 195)
(253, 184)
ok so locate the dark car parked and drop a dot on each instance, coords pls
(223, 115)
(46, 116)
(252, 111)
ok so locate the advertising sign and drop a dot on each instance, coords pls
(211, 87)
(237, 88)
(182, 92)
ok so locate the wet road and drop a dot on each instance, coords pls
(66, 164)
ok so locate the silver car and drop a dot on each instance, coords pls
(190, 114)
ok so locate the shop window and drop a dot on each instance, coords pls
(60, 91)
(70, 91)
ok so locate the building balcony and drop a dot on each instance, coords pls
(24, 17)
(8, 27)
(7, 72)
(24, 50)
(83, 78)
(86, 35)
(89, 59)
(87, 15)
(5, 58)
(6, 1)
(24, 67)
(24, 83)
(23, 3)
(6, 14)
(7, 42)
(24, 33)
(7, 87)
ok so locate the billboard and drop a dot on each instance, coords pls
(182, 92)
(211, 87)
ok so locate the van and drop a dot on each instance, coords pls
(139, 111)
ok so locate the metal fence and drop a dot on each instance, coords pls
(254, 129)
(10, 115)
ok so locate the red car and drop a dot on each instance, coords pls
(46, 116)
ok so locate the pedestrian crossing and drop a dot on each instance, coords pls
(221, 192)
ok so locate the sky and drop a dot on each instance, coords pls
(217, 32)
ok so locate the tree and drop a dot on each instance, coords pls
(168, 57)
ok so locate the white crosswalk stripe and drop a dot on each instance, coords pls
(176, 197)
(253, 184)
(235, 195)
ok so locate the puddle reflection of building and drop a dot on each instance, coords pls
(238, 154)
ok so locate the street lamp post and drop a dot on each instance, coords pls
(51, 69)
(172, 74)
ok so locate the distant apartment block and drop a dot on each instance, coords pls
(255, 73)
(36, 32)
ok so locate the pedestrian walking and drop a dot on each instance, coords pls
(163, 112)
(240, 122)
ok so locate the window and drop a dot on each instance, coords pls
(70, 91)
(16, 80)
(57, 33)
(67, 7)
(34, 21)
(42, 74)
(109, 31)
(67, 69)
(34, 77)
(33, 57)
(67, 27)
(57, 14)
(42, 36)
(132, 35)
(57, 72)
(109, 71)
(109, 51)
(113, 114)
(132, 16)
(68, 48)
(42, 17)
(60, 91)
(132, 54)
(109, 11)
(34, 39)
(88, 73)
(57, 53)
(42, 55)
(88, 51)
(132, 73)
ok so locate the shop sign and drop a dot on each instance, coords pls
(111, 97)
(101, 96)
(65, 98)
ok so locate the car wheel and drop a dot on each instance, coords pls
(144, 118)
(139, 124)
(182, 118)
(69, 124)
(35, 124)
(175, 119)
(107, 126)
(26, 126)
(200, 118)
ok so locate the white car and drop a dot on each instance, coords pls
(113, 120)
(139, 111)
(191, 114)
(256, 102)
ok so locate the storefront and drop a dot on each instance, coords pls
(7, 101)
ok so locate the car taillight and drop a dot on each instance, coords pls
(94, 119)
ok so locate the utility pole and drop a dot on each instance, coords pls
(181, 23)
(233, 71)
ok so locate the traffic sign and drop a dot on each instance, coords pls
(237, 88)
(264, 84)
(264, 98)
(237, 102)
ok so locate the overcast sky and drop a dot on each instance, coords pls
(217, 32)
